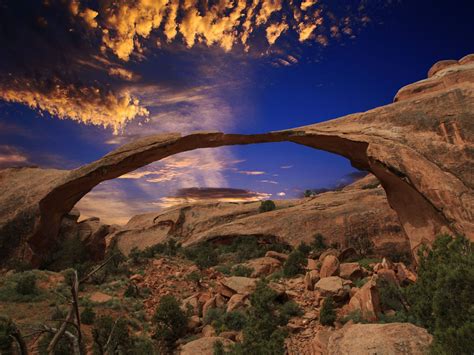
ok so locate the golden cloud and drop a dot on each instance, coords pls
(224, 23)
(87, 104)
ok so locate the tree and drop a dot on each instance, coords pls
(266, 206)
(327, 315)
(295, 264)
(441, 299)
(9, 333)
(170, 321)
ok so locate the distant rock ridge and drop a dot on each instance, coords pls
(421, 148)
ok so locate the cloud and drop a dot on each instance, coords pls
(251, 172)
(269, 182)
(281, 194)
(82, 48)
(203, 195)
(112, 204)
(286, 167)
(11, 156)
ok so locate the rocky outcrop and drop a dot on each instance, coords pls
(420, 148)
(381, 339)
(203, 346)
(338, 215)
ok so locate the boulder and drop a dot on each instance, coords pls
(236, 301)
(194, 322)
(211, 303)
(312, 264)
(276, 255)
(332, 286)
(380, 339)
(351, 271)
(387, 275)
(203, 346)
(327, 252)
(366, 301)
(237, 284)
(100, 297)
(330, 266)
(208, 331)
(348, 254)
(263, 266)
(310, 279)
(404, 275)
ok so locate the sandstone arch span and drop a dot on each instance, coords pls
(421, 148)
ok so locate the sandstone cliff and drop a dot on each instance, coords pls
(359, 210)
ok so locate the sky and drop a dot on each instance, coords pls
(79, 78)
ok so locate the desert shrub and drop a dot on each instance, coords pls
(371, 186)
(267, 206)
(132, 291)
(9, 335)
(361, 282)
(70, 253)
(204, 255)
(354, 316)
(170, 321)
(213, 315)
(361, 242)
(241, 270)
(26, 284)
(304, 248)
(295, 264)
(288, 310)
(224, 269)
(365, 262)
(441, 299)
(195, 277)
(318, 243)
(111, 336)
(223, 321)
(135, 256)
(327, 315)
(391, 296)
(262, 334)
(88, 315)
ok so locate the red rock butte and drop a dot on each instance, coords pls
(421, 148)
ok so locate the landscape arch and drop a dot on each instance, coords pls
(419, 147)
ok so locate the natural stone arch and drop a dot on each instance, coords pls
(420, 148)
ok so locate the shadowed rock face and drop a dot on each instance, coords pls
(421, 148)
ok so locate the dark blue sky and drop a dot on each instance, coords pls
(349, 75)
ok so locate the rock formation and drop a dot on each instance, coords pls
(421, 148)
(339, 215)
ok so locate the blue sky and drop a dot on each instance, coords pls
(205, 86)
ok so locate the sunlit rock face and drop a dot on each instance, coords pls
(421, 148)
(360, 210)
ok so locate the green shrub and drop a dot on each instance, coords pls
(241, 270)
(304, 248)
(224, 269)
(195, 277)
(7, 330)
(288, 310)
(105, 329)
(441, 298)
(295, 264)
(88, 315)
(318, 243)
(213, 315)
(26, 284)
(365, 262)
(391, 296)
(204, 255)
(267, 206)
(327, 315)
(170, 321)
(132, 291)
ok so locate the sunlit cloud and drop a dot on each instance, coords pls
(11, 156)
(281, 194)
(251, 172)
(269, 182)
